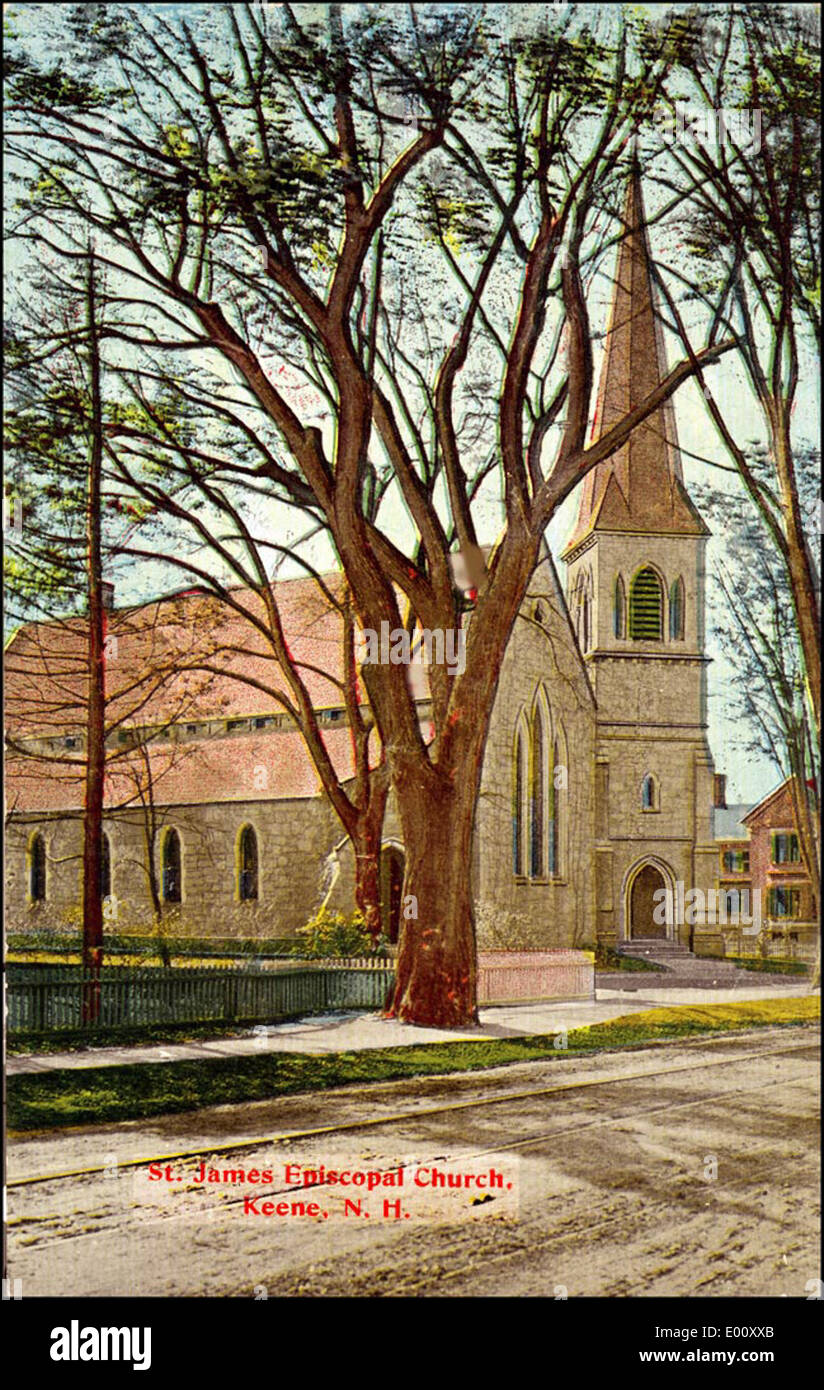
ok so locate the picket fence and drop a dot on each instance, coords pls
(57, 998)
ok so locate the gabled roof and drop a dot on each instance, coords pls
(767, 800)
(639, 488)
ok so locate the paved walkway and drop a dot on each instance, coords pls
(348, 1032)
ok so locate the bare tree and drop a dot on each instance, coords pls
(284, 140)
(751, 218)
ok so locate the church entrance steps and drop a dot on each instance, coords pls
(680, 969)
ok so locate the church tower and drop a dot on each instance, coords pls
(635, 590)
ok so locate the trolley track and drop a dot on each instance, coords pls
(417, 1114)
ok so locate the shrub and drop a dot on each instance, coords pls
(334, 934)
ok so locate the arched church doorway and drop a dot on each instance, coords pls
(643, 903)
(392, 870)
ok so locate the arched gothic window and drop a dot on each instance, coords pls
(37, 869)
(556, 807)
(519, 781)
(247, 865)
(171, 868)
(676, 611)
(619, 608)
(646, 607)
(537, 797)
(586, 621)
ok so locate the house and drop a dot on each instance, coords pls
(789, 911)
(736, 906)
(596, 798)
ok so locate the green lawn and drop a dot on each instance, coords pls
(769, 965)
(94, 1095)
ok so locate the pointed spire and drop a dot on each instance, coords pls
(640, 487)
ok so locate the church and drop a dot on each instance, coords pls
(598, 786)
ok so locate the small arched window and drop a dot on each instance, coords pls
(649, 793)
(537, 795)
(676, 611)
(247, 865)
(519, 804)
(645, 607)
(37, 869)
(105, 866)
(171, 867)
(619, 608)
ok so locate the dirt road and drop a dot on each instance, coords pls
(687, 1169)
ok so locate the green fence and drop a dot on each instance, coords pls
(51, 998)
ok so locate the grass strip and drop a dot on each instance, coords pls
(765, 965)
(95, 1095)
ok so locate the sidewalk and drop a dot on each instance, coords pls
(348, 1032)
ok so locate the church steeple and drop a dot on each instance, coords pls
(639, 488)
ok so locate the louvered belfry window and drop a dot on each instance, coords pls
(645, 607)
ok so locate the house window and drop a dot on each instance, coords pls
(783, 901)
(171, 867)
(785, 849)
(731, 903)
(262, 721)
(105, 866)
(649, 793)
(518, 797)
(645, 607)
(247, 865)
(619, 609)
(37, 870)
(537, 803)
(233, 725)
(676, 611)
(735, 861)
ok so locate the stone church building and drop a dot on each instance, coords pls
(597, 792)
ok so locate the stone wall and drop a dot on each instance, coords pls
(294, 840)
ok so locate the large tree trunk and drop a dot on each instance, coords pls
(436, 982)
